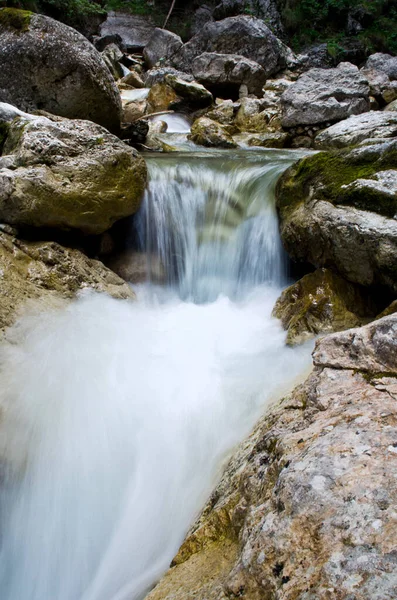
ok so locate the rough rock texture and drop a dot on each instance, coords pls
(392, 107)
(158, 75)
(380, 86)
(194, 94)
(277, 139)
(245, 36)
(359, 128)
(162, 45)
(112, 56)
(48, 65)
(322, 95)
(226, 72)
(338, 210)
(46, 270)
(383, 62)
(137, 267)
(206, 132)
(161, 97)
(134, 30)
(201, 17)
(67, 174)
(263, 9)
(322, 302)
(306, 507)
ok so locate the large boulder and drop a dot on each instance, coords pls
(162, 45)
(322, 95)
(358, 129)
(67, 174)
(322, 302)
(245, 36)
(225, 73)
(206, 132)
(383, 62)
(338, 210)
(263, 9)
(305, 509)
(135, 31)
(48, 65)
(48, 272)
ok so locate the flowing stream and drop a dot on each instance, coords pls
(117, 416)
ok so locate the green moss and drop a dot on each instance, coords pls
(15, 19)
(327, 172)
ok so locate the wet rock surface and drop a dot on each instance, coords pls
(306, 507)
(46, 274)
(338, 210)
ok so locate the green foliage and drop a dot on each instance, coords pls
(311, 21)
(18, 20)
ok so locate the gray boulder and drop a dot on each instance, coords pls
(383, 62)
(245, 36)
(158, 75)
(322, 95)
(201, 17)
(112, 56)
(47, 65)
(359, 128)
(134, 30)
(263, 9)
(67, 174)
(162, 45)
(226, 72)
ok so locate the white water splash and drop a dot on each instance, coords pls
(116, 418)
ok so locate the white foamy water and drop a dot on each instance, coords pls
(136, 94)
(117, 416)
(176, 123)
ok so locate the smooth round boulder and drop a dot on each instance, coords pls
(49, 66)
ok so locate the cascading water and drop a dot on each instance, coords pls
(117, 416)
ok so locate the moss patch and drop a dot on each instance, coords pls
(15, 19)
(325, 173)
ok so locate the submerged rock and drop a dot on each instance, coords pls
(206, 132)
(50, 66)
(322, 95)
(338, 210)
(306, 506)
(71, 175)
(48, 272)
(322, 302)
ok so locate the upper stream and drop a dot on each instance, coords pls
(117, 417)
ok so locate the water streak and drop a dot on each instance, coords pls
(117, 416)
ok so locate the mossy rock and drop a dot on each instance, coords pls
(15, 19)
(327, 175)
(322, 302)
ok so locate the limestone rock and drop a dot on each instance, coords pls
(68, 175)
(392, 107)
(306, 506)
(162, 45)
(161, 97)
(112, 56)
(227, 72)
(201, 17)
(133, 110)
(194, 94)
(322, 95)
(49, 272)
(383, 62)
(321, 302)
(134, 30)
(263, 9)
(338, 210)
(158, 75)
(206, 132)
(276, 139)
(359, 128)
(50, 66)
(242, 35)
(133, 79)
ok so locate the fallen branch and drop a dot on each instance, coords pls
(169, 13)
(156, 114)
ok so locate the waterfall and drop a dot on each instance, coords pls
(117, 416)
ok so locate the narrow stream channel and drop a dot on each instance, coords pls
(118, 416)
